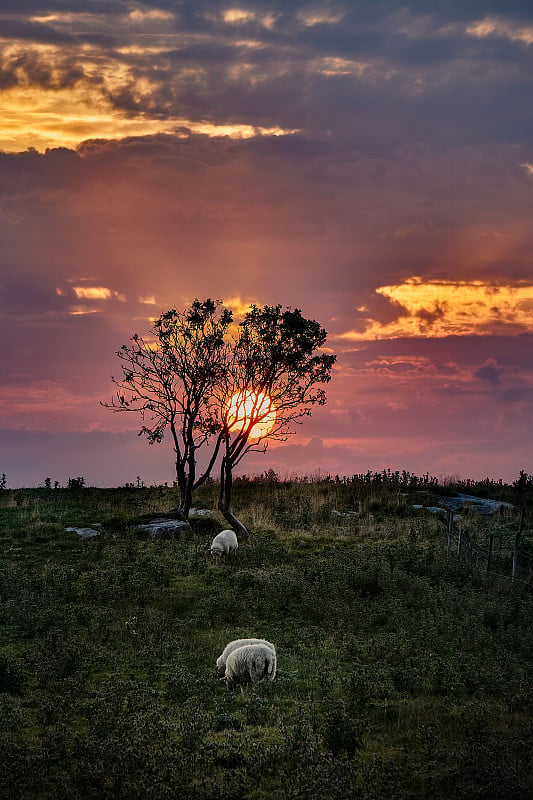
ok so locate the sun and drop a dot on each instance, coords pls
(250, 407)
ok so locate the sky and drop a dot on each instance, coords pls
(366, 161)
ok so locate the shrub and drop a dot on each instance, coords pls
(225, 722)
(179, 683)
(11, 674)
(342, 733)
(257, 710)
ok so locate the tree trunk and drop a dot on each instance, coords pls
(182, 484)
(224, 500)
(189, 485)
(186, 501)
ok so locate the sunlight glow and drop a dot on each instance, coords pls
(92, 293)
(78, 311)
(330, 65)
(65, 117)
(250, 407)
(238, 306)
(237, 15)
(137, 15)
(438, 308)
(70, 106)
(97, 293)
(311, 18)
(492, 26)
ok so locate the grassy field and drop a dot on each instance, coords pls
(402, 672)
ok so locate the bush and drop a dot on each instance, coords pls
(342, 733)
(398, 675)
(11, 674)
(179, 683)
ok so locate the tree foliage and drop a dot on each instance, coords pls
(169, 379)
(275, 355)
(183, 379)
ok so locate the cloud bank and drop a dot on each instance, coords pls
(367, 163)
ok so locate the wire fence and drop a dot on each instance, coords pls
(493, 546)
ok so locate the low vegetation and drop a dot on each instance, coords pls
(404, 669)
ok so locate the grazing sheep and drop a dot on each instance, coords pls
(224, 543)
(229, 648)
(250, 664)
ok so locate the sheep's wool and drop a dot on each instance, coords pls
(221, 660)
(250, 663)
(224, 543)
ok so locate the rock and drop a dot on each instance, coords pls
(480, 506)
(162, 527)
(200, 513)
(84, 533)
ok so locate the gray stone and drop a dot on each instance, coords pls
(200, 513)
(466, 502)
(161, 527)
(84, 533)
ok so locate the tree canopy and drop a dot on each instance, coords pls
(169, 378)
(232, 388)
(275, 366)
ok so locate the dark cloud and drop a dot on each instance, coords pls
(421, 77)
(102, 40)
(31, 68)
(463, 350)
(522, 395)
(33, 31)
(413, 157)
(489, 372)
(33, 7)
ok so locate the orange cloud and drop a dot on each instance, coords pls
(438, 308)
(97, 293)
(64, 114)
(493, 26)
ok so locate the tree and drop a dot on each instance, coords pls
(170, 379)
(272, 377)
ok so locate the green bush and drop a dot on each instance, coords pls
(11, 674)
(342, 732)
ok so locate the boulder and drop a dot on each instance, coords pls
(84, 533)
(200, 513)
(162, 526)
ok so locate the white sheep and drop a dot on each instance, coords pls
(250, 663)
(224, 543)
(229, 648)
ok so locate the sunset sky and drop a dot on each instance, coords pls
(366, 161)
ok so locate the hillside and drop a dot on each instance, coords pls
(404, 668)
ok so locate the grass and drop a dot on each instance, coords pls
(401, 673)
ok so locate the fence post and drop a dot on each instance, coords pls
(459, 537)
(469, 555)
(449, 527)
(517, 542)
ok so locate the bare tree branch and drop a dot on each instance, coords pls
(169, 381)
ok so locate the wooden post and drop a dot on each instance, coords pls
(468, 542)
(459, 537)
(517, 543)
(449, 527)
